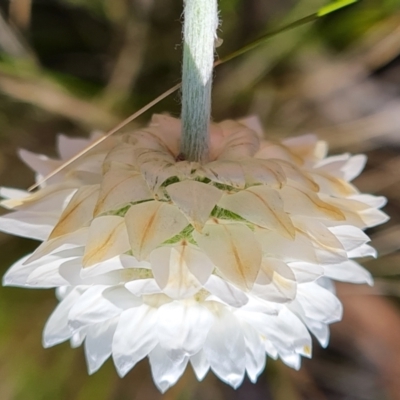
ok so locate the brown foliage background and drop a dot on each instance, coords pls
(73, 66)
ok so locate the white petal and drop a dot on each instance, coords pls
(182, 328)
(364, 250)
(93, 307)
(318, 303)
(56, 329)
(47, 276)
(349, 271)
(140, 287)
(306, 272)
(151, 223)
(195, 199)
(255, 353)
(351, 237)
(98, 344)
(32, 225)
(200, 365)
(135, 337)
(165, 372)
(225, 348)
(354, 167)
(70, 146)
(222, 290)
(292, 360)
(107, 238)
(38, 162)
(18, 273)
(234, 250)
(12, 193)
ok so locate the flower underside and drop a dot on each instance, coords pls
(156, 256)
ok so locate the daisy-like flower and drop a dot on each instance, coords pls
(216, 265)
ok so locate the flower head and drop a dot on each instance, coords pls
(214, 264)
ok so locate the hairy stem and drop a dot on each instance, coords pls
(199, 33)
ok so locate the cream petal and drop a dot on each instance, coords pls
(370, 200)
(326, 244)
(297, 176)
(275, 282)
(98, 344)
(306, 203)
(225, 172)
(171, 269)
(121, 154)
(306, 146)
(301, 249)
(239, 143)
(226, 357)
(78, 213)
(263, 171)
(165, 371)
(182, 328)
(262, 206)
(120, 187)
(195, 199)
(234, 250)
(107, 238)
(120, 262)
(200, 365)
(332, 185)
(151, 223)
(157, 172)
(56, 329)
(135, 337)
(74, 240)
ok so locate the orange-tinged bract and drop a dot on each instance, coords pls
(157, 256)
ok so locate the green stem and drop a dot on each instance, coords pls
(199, 33)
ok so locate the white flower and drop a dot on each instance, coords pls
(215, 265)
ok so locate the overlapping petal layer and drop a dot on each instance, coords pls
(215, 265)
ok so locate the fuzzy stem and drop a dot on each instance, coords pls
(199, 33)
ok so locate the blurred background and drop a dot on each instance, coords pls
(74, 66)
